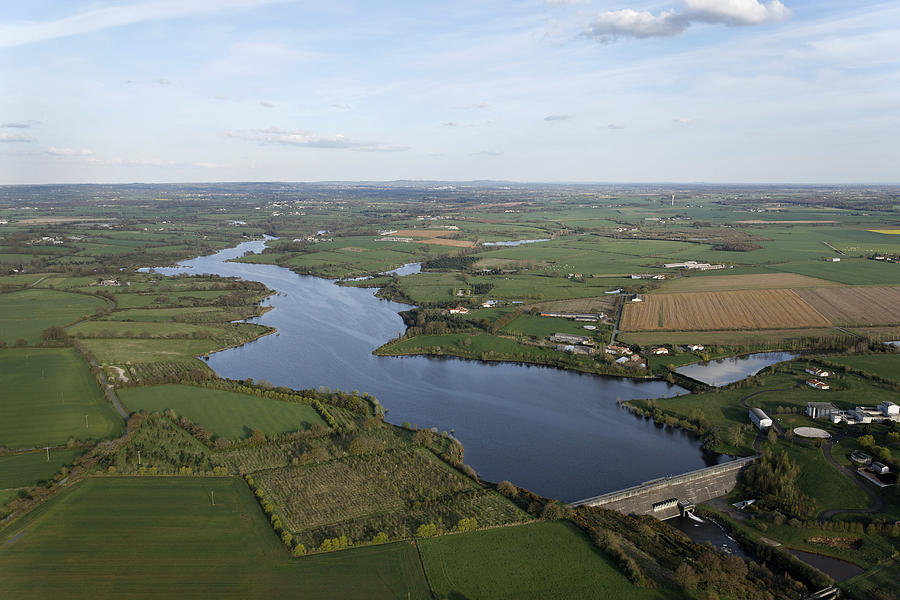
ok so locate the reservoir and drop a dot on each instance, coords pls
(557, 433)
(728, 370)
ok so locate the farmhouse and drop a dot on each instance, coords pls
(660, 351)
(695, 347)
(817, 372)
(759, 418)
(459, 310)
(573, 349)
(832, 259)
(818, 385)
(489, 303)
(619, 350)
(820, 410)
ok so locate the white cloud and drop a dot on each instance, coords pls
(558, 118)
(475, 106)
(308, 139)
(627, 22)
(69, 151)
(736, 12)
(15, 137)
(16, 125)
(486, 153)
(683, 121)
(265, 104)
(28, 32)
(615, 126)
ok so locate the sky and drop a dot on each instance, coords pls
(720, 91)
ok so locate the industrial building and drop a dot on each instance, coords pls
(759, 418)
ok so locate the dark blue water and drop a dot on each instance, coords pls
(555, 432)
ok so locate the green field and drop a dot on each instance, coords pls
(882, 365)
(540, 560)
(541, 327)
(227, 414)
(47, 395)
(162, 538)
(121, 350)
(25, 314)
(20, 470)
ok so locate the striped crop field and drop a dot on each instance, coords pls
(852, 305)
(745, 309)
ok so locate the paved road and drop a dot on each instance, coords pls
(878, 505)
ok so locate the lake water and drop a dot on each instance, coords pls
(703, 530)
(557, 433)
(838, 569)
(728, 370)
(515, 242)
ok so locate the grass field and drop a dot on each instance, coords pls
(161, 538)
(25, 314)
(121, 350)
(747, 309)
(539, 560)
(762, 339)
(721, 283)
(20, 470)
(883, 365)
(540, 327)
(228, 414)
(47, 394)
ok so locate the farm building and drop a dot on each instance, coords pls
(459, 310)
(693, 264)
(832, 259)
(820, 410)
(660, 351)
(817, 372)
(636, 298)
(573, 349)
(880, 468)
(568, 338)
(818, 385)
(695, 347)
(619, 350)
(586, 317)
(489, 304)
(759, 418)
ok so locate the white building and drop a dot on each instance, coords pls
(760, 419)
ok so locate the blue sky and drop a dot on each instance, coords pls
(540, 90)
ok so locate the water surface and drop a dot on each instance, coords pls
(838, 569)
(515, 242)
(728, 370)
(555, 432)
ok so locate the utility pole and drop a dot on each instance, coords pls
(48, 453)
(139, 457)
(212, 497)
(86, 422)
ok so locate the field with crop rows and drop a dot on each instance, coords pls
(856, 305)
(748, 309)
(394, 491)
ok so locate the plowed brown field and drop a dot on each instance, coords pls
(748, 309)
(856, 305)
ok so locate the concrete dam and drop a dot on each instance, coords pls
(669, 497)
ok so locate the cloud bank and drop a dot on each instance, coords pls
(611, 25)
(308, 139)
(15, 137)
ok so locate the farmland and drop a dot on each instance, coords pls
(51, 396)
(20, 470)
(226, 550)
(750, 309)
(228, 414)
(394, 492)
(856, 305)
(546, 560)
(723, 283)
(25, 314)
(885, 365)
